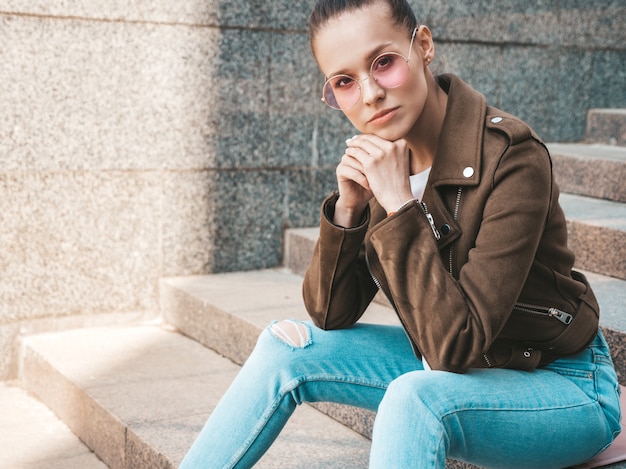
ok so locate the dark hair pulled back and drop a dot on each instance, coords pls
(401, 12)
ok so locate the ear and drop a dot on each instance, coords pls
(425, 45)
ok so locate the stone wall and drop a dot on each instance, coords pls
(141, 139)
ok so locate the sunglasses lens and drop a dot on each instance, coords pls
(341, 92)
(390, 70)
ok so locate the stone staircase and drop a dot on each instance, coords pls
(138, 396)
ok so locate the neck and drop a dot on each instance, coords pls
(424, 136)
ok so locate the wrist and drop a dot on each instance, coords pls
(393, 212)
(347, 217)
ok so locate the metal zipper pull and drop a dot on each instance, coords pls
(562, 316)
(431, 220)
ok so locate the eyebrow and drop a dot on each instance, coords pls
(371, 56)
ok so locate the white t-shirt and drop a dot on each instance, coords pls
(418, 183)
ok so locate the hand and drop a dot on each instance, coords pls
(381, 168)
(354, 191)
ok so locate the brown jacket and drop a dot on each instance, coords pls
(489, 238)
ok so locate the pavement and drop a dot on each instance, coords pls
(32, 437)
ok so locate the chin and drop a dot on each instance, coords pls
(388, 133)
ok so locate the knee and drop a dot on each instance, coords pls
(279, 343)
(419, 389)
(295, 334)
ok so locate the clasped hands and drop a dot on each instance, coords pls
(371, 167)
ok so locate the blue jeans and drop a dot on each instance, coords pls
(552, 417)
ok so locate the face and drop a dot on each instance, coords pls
(347, 45)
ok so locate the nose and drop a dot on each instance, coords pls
(371, 90)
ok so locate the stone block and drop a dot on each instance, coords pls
(507, 21)
(238, 100)
(250, 206)
(609, 76)
(253, 13)
(188, 215)
(295, 84)
(78, 242)
(306, 190)
(288, 15)
(573, 95)
(107, 95)
(478, 65)
(528, 90)
(299, 245)
(33, 437)
(592, 23)
(590, 169)
(606, 126)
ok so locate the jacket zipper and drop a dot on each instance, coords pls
(455, 217)
(431, 221)
(556, 313)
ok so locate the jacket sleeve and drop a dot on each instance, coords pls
(337, 285)
(453, 321)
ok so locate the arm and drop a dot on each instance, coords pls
(452, 321)
(337, 285)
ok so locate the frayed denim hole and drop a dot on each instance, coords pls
(291, 332)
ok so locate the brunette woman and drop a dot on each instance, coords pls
(448, 206)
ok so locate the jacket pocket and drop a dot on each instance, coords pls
(552, 330)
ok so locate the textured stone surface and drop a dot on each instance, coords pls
(593, 170)
(158, 388)
(597, 234)
(606, 126)
(77, 242)
(299, 245)
(34, 438)
(105, 95)
(609, 74)
(190, 12)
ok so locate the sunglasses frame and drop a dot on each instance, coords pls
(370, 75)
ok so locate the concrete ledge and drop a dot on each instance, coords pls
(138, 396)
(606, 126)
(592, 170)
(597, 234)
(34, 438)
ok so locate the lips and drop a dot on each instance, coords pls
(382, 116)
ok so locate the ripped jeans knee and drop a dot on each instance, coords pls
(294, 333)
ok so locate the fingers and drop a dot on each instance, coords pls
(351, 169)
(368, 148)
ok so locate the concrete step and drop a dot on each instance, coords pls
(138, 396)
(606, 126)
(593, 170)
(597, 234)
(211, 310)
(32, 437)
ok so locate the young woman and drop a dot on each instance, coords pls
(448, 206)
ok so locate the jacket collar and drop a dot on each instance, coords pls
(458, 158)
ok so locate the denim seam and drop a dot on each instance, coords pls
(520, 409)
(282, 393)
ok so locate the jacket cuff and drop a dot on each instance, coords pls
(328, 214)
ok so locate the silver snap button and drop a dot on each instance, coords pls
(527, 354)
(496, 120)
(468, 172)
